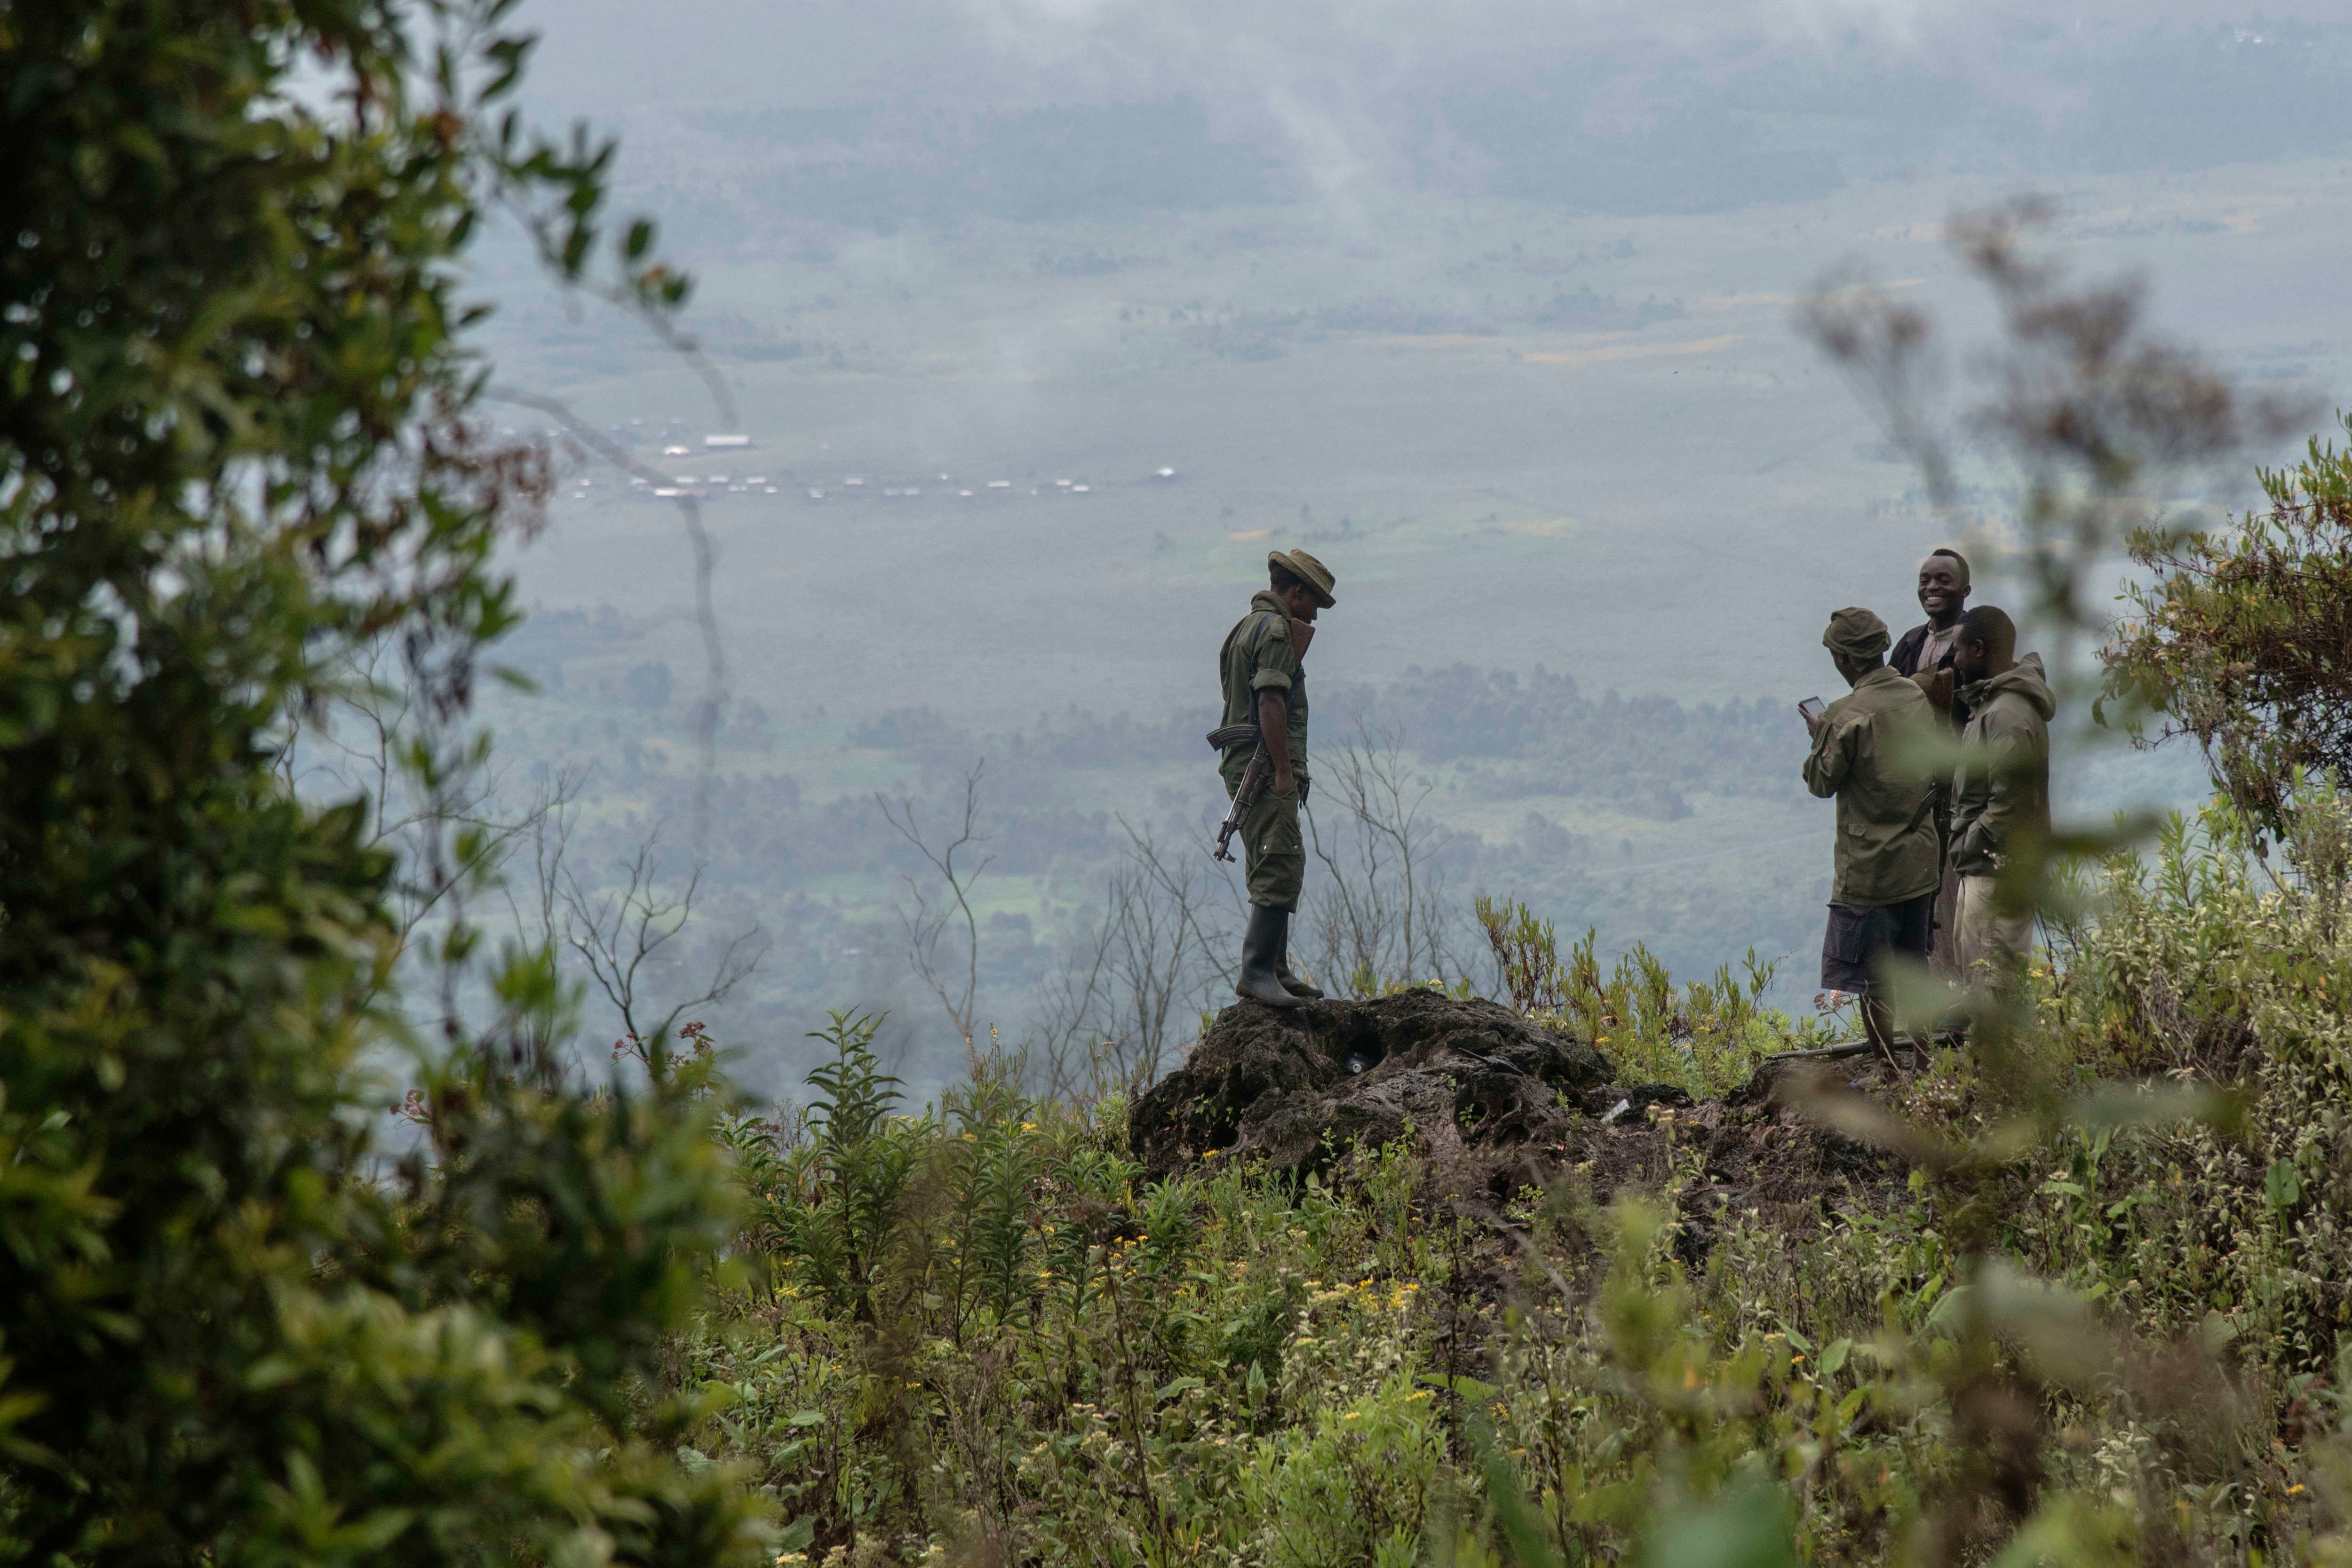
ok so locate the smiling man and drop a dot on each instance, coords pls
(1925, 653)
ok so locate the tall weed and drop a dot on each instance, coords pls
(1703, 1035)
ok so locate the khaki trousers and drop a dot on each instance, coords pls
(1943, 959)
(1273, 852)
(1980, 935)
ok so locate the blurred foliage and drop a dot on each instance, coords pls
(238, 445)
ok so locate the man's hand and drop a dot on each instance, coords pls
(1274, 723)
(1937, 684)
(1813, 724)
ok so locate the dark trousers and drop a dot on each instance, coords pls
(1858, 933)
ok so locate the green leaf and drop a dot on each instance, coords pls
(1464, 1387)
(1948, 1309)
(1749, 1525)
(2282, 1184)
(1523, 1526)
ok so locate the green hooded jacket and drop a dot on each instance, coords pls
(1866, 754)
(2001, 792)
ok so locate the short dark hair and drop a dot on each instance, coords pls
(1950, 553)
(1990, 624)
(1284, 579)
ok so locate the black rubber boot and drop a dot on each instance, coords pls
(1305, 990)
(1261, 949)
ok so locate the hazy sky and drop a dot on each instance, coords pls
(614, 54)
(1350, 97)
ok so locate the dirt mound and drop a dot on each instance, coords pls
(1296, 1085)
(1496, 1103)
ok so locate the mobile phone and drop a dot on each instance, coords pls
(1811, 708)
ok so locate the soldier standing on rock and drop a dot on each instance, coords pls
(1869, 748)
(1259, 670)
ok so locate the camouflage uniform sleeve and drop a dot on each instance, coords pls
(1271, 661)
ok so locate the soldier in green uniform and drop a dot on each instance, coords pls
(1258, 670)
(1869, 752)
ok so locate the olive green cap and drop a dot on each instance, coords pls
(1308, 570)
(1856, 634)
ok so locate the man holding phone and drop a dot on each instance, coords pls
(1869, 751)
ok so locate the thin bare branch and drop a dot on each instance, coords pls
(926, 925)
(619, 934)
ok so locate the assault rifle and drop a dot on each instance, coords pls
(1261, 763)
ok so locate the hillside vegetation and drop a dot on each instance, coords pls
(2029, 1311)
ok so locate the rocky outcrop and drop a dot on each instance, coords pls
(1496, 1104)
(1296, 1087)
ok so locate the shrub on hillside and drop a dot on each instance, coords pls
(240, 445)
(2239, 633)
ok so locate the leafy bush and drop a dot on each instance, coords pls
(2237, 637)
(238, 447)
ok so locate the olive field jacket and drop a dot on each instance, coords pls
(1869, 754)
(2001, 792)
